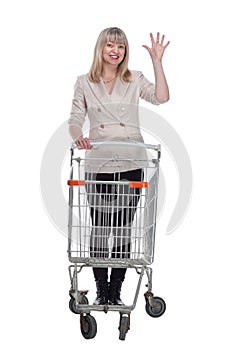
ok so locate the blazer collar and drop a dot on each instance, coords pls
(109, 101)
(117, 96)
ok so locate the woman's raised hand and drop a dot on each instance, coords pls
(157, 47)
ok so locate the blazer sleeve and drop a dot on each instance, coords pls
(78, 108)
(147, 90)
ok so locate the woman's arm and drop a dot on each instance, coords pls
(77, 117)
(156, 52)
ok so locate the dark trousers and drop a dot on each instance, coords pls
(112, 208)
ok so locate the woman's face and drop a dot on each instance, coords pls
(113, 53)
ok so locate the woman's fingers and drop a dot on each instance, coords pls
(83, 143)
(146, 47)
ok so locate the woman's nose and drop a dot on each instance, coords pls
(115, 49)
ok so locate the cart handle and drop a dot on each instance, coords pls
(131, 184)
(122, 143)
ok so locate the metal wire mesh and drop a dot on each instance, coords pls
(112, 220)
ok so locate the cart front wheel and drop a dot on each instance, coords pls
(123, 327)
(72, 304)
(88, 326)
(155, 307)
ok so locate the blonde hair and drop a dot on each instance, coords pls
(113, 34)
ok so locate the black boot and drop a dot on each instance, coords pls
(114, 295)
(102, 292)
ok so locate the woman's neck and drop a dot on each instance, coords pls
(109, 73)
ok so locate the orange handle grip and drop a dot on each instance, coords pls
(76, 182)
(138, 184)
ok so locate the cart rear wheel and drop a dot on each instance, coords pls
(88, 326)
(124, 327)
(72, 304)
(155, 307)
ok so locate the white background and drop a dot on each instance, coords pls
(44, 46)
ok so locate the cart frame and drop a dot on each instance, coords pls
(80, 258)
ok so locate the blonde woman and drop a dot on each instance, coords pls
(109, 94)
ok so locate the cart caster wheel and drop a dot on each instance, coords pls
(124, 326)
(72, 304)
(155, 307)
(88, 326)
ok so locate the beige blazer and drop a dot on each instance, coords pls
(112, 117)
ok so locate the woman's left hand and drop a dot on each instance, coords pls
(157, 47)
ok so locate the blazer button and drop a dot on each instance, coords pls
(102, 126)
(122, 124)
(99, 109)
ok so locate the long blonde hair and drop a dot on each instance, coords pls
(110, 34)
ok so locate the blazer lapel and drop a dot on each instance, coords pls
(108, 100)
(99, 91)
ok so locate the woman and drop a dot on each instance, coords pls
(110, 94)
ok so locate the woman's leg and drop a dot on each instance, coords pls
(126, 202)
(122, 232)
(99, 196)
(101, 279)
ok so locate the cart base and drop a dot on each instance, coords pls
(79, 304)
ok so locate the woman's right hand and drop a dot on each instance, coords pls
(83, 143)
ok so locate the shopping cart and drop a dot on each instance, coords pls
(108, 242)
